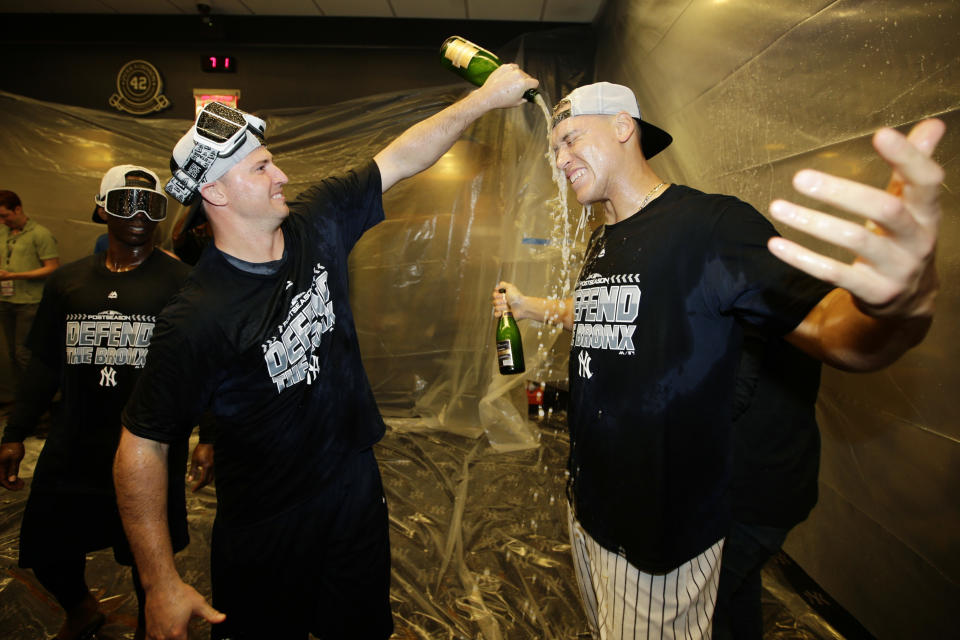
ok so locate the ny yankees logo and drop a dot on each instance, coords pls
(584, 359)
(108, 377)
(313, 371)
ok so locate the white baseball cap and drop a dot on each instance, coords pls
(606, 98)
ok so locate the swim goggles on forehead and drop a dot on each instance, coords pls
(218, 133)
(127, 202)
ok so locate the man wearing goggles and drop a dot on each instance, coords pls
(220, 138)
(90, 340)
(263, 335)
(129, 201)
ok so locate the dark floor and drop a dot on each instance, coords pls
(479, 550)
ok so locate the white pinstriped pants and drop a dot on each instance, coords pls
(623, 602)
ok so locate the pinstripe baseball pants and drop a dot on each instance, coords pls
(623, 602)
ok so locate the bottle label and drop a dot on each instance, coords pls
(504, 353)
(460, 53)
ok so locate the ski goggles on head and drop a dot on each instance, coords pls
(224, 129)
(217, 136)
(129, 201)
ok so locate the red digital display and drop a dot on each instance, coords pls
(219, 64)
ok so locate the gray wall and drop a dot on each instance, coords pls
(752, 92)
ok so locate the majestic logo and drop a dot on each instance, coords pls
(288, 354)
(108, 377)
(584, 359)
(112, 295)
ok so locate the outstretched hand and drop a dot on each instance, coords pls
(893, 275)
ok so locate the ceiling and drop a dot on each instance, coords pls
(572, 11)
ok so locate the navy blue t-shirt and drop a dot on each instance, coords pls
(92, 330)
(775, 441)
(654, 354)
(274, 355)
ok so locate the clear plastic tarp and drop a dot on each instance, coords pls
(751, 91)
(420, 281)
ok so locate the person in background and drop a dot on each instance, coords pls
(90, 340)
(667, 286)
(28, 255)
(188, 244)
(263, 335)
(100, 216)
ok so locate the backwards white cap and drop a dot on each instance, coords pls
(606, 98)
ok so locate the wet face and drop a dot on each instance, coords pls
(582, 150)
(254, 187)
(133, 232)
(13, 218)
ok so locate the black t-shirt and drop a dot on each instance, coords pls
(654, 354)
(776, 442)
(92, 330)
(274, 355)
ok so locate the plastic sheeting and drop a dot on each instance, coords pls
(478, 540)
(752, 92)
(420, 281)
(478, 532)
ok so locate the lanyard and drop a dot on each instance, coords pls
(11, 242)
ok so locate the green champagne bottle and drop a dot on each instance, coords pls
(472, 63)
(509, 346)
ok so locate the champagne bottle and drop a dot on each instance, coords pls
(472, 63)
(509, 346)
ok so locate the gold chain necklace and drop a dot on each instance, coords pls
(647, 197)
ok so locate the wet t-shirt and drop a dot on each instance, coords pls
(274, 355)
(654, 353)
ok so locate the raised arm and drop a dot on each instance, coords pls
(885, 301)
(545, 310)
(421, 145)
(140, 476)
